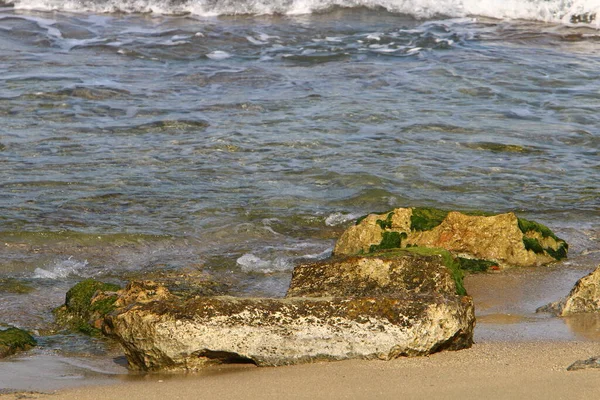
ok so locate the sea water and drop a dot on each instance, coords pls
(241, 137)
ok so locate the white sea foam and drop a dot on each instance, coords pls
(251, 263)
(282, 258)
(338, 218)
(61, 269)
(218, 55)
(540, 10)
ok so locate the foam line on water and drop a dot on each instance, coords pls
(539, 10)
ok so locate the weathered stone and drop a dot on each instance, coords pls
(503, 238)
(384, 274)
(85, 306)
(184, 282)
(583, 298)
(14, 339)
(400, 302)
(593, 362)
(186, 334)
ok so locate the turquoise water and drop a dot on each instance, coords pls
(244, 144)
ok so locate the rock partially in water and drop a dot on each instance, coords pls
(381, 306)
(89, 301)
(172, 334)
(593, 362)
(86, 304)
(503, 239)
(583, 298)
(14, 339)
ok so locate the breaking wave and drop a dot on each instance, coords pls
(62, 269)
(565, 11)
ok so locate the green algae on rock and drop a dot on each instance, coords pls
(86, 304)
(13, 340)
(501, 240)
(541, 240)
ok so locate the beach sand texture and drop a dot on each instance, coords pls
(500, 370)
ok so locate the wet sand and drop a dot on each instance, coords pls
(496, 370)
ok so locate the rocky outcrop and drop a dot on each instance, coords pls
(174, 334)
(14, 339)
(583, 298)
(381, 306)
(502, 239)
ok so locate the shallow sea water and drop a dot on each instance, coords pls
(242, 145)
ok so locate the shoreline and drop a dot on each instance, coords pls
(496, 370)
(511, 341)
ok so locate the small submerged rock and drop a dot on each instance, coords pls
(593, 362)
(501, 239)
(14, 339)
(584, 18)
(11, 285)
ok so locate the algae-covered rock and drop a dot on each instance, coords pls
(385, 273)
(583, 298)
(14, 339)
(86, 304)
(501, 239)
(176, 334)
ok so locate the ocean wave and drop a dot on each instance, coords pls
(62, 269)
(564, 11)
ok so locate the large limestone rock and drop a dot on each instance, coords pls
(583, 298)
(381, 306)
(174, 334)
(503, 238)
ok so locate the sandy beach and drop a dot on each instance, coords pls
(517, 354)
(532, 370)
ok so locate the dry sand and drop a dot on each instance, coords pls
(500, 370)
